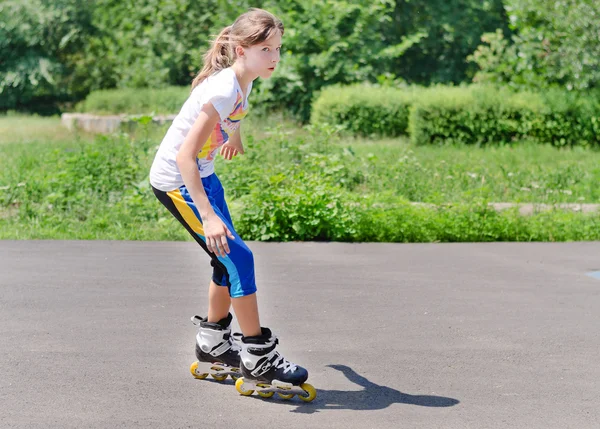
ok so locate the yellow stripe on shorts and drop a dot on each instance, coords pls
(186, 211)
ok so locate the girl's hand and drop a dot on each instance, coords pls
(216, 233)
(228, 151)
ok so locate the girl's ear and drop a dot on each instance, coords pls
(239, 51)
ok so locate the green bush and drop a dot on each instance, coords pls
(301, 196)
(365, 110)
(483, 115)
(135, 101)
(295, 205)
(568, 118)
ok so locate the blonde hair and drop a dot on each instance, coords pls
(250, 28)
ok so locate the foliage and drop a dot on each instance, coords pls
(484, 115)
(473, 222)
(148, 43)
(342, 42)
(41, 44)
(319, 186)
(75, 47)
(366, 110)
(326, 42)
(555, 44)
(448, 31)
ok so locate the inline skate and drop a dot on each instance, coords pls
(217, 352)
(265, 371)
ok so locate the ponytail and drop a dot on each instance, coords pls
(218, 57)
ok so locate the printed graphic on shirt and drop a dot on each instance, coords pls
(223, 130)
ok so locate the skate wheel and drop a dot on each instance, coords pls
(311, 392)
(219, 377)
(239, 386)
(265, 394)
(194, 368)
(285, 396)
(235, 374)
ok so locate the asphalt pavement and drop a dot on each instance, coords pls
(97, 334)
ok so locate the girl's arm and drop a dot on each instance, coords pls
(233, 146)
(235, 140)
(215, 231)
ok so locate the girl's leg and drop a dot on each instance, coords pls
(245, 307)
(234, 274)
(246, 311)
(218, 302)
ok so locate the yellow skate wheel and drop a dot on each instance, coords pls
(193, 370)
(311, 392)
(285, 395)
(236, 375)
(219, 377)
(239, 386)
(264, 394)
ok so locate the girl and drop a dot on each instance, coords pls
(184, 181)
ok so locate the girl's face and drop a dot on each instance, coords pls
(262, 59)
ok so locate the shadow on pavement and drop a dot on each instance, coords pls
(372, 397)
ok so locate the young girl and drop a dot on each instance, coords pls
(184, 181)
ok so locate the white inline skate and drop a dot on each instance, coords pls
(265, 371)
(217, 353)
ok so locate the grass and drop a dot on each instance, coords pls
(66, 185)
(523, 172)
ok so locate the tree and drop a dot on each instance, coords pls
(40, 44)
(555, 43)
(451, 30)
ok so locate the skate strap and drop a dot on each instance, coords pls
(265, 367)
(262, 351)
(196, 320)
(222, 348)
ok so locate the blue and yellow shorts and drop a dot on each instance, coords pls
(236, 270)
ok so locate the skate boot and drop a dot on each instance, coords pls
(217, 353)
(263, 369)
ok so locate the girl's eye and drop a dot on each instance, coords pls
(266, 49)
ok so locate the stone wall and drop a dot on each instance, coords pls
(105, 124)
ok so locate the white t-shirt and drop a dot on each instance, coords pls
(223, 90)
